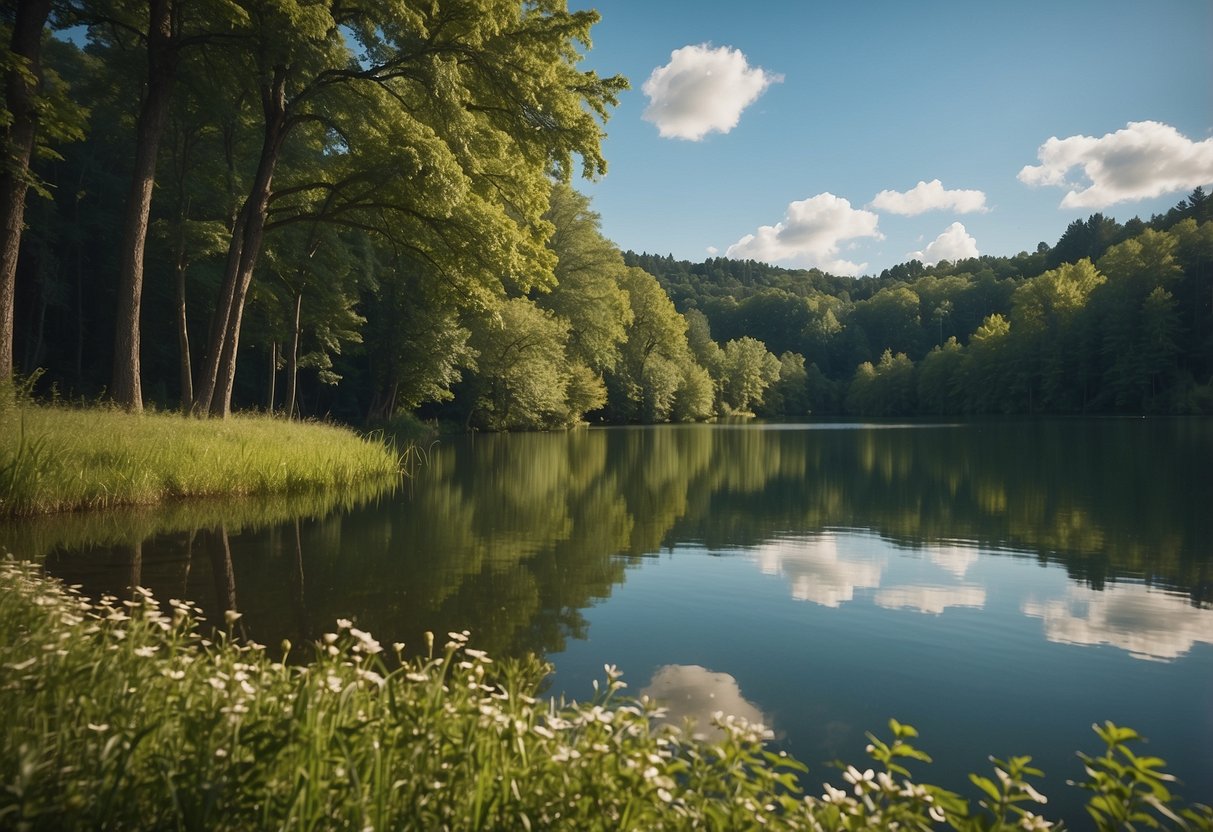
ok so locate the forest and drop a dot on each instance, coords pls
(365, 212)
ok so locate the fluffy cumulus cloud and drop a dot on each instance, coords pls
(810, 234)
(929, 196)
(954, 243)
(1144, 160)
(703, 90)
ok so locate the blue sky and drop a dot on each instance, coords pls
(849, 99)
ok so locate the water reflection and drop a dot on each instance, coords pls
(515, 536)
(815, 570)
(932, 600)
(954, 559)
(1146, 623)
(694, 694)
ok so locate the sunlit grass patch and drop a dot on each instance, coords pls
(58, 458)
(123, 714)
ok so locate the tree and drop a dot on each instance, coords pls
(938, 377)
(985, 376)
(890, 319)
(522, 375)
(1043, 314)
(417, 346)
(645, 383)
(1159, 328)
(748, 369)
(22, 76)
(788, 395)
(587, 293)
(478, 101)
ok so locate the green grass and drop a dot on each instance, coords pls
(121, 715)
(55, 458)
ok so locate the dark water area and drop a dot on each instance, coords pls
(999, 585)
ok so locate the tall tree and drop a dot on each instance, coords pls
(482, 101)
(587, 292)
(22, 69)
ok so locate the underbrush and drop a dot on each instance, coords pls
(126, 715)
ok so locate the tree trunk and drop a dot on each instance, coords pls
(14, 170)
(292, 367)
(183, 332)
(161, 70)
(243, 252)
(269, 400)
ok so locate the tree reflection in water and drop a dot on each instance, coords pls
(513, 536)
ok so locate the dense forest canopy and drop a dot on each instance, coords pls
(365, 210)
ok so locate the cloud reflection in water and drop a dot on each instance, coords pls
(689, 691)
(932, 600)
(816, 571)
(1148, 624)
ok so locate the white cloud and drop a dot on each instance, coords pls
(689, 691)
(929, 196)
(810, 234)
(703, 90)
(713, 251)
(1144, 160)
(1146, 623)
(815, 570)
(932, 600)
(954, 243)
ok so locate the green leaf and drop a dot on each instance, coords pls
(986, 785)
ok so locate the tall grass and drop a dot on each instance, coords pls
(118, 715)
(57, 459)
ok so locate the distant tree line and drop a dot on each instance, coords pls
(1112, 319)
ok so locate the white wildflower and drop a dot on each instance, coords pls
(833, 795)
(1034, 823)
(861, 780)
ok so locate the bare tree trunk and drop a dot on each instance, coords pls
(292, 366)
(269, 402)
(161, 69)
(183, 332)
(245, 248)
(26, 45)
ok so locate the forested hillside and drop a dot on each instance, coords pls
(362, 211)
(1112, 319)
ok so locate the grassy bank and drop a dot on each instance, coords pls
(60, 459)
(121, 715)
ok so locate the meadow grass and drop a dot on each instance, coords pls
(55, 458)
(125, 715)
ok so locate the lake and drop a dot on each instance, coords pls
(999, 585)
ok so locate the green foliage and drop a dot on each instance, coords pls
(587, 293)
(523, 376)
(121, 715)
(747, 369)
(656, 362)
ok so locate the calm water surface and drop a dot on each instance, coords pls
(1000, 586)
